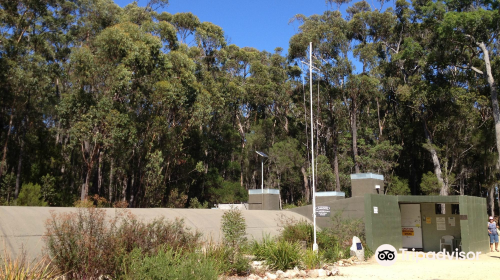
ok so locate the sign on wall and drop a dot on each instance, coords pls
(322, 211)
(408, 232)
(441, 223)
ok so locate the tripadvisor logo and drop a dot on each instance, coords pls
(386, 255)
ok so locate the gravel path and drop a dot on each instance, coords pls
(424, 269)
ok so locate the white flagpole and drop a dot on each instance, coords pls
(315, 245)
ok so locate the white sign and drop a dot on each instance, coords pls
(375, 209)
(451, 221)
(322, 211)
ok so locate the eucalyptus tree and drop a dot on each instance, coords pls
(472, 29)
(33, 42)
(331, 47)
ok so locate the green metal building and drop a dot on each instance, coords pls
(418, 222)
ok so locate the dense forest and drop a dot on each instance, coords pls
(156, 109)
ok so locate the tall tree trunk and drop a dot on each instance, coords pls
(437, 166)
(380, 122)
(4, 156)
(111, 170)
(307, 190)
(19, 168)
(242, 135)
(132, 183)
(85, 186)
(354, 129)
(494, 95)
(336, 168)
(491, 200)
(462, 182)
(124, 190)
(99, 174)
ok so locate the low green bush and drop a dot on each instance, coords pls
(294, 231)
(278, 253)
(30, 195)
(225, 261)
(312, 260)
(334, 242)
(168, 264)
(233, 226)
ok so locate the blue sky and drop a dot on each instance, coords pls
(262, 24)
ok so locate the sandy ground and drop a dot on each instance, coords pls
(482, 268)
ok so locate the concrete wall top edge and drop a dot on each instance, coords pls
(330, 194)
(367, 176)
(265, 191)
(428, 198)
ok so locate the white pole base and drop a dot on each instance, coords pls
(315, 247)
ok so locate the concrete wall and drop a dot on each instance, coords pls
(352, 208)
(431, 236)
(271, 201)
(383, 227)
(364, 183)
(474, 221)
(325, 199)
(25, 226)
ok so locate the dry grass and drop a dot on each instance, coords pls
(20, 269)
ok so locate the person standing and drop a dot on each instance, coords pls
(492, 232)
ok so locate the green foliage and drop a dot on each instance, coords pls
(398, 186)
(278, 254)
(87, 244)
(30, 195)
(234, 228)
(324, 173)
(430, 184)
(334, 242)
(229, 192)
(296, 231)
(153, 179)
(167, 263)
(226, 261)
(312, 260)
(194, 203)
(156, 109)
(7, 188)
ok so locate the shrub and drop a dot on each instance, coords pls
(168, 263)
(331, 247)
(133, 233)
(311, 259)
(85, 244)
(19, 268)
(195, 203)
(226, 261)
(233, 227)
(278, 254)
(294, 230)
(334, 243)
(82, 243)
(30, 195)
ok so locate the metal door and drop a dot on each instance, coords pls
(411, 226)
